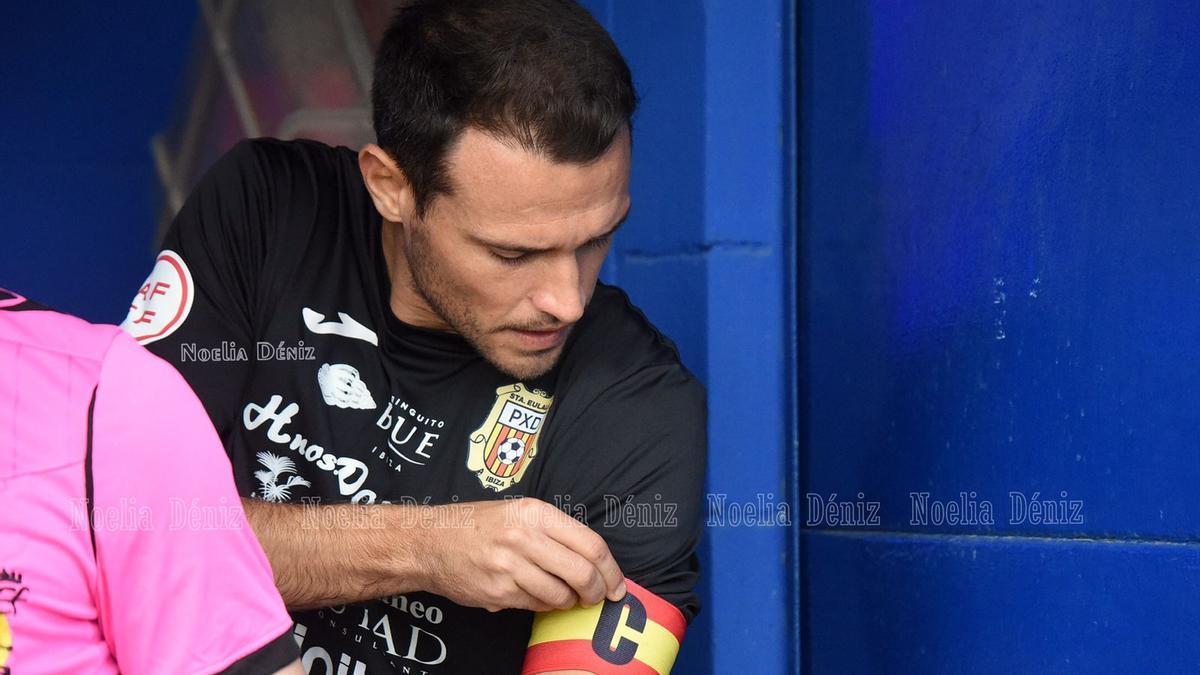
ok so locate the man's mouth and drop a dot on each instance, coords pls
(541, 340)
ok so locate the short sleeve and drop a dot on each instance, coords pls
(197, 307)
(182, 584)
(632, 462)
(636, 459)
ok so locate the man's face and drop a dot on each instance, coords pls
(509, 260)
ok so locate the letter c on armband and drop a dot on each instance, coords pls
(639, 633)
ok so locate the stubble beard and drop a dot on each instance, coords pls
(438, 294)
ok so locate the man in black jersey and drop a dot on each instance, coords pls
(395, 343)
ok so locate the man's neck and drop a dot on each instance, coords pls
(406, 303)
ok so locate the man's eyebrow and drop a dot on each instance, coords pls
(515, 248)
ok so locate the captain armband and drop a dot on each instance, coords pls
(639, 634)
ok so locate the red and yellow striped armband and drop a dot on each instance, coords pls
(636, 635)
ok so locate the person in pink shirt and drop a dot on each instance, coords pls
(123, 545)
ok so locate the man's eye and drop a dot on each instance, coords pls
(599, 242)
(509, 257)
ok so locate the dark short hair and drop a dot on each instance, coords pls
(542, 73)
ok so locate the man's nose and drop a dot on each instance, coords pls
(559, 293)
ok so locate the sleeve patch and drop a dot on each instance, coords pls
(163, 302)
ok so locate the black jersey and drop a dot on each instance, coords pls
(271, 296)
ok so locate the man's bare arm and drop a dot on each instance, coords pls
(502, 554)
(326, 555)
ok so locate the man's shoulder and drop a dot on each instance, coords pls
(267, 197)
(614, 342)
(291, 157)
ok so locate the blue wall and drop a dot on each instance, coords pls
(1000, 273)
(85, 87)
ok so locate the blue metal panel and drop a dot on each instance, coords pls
(1003, 260)
(1000, 272)
(931, 604)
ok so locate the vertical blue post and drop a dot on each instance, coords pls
(707, 256)
(747, 220)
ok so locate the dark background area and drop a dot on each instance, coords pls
(85, 86)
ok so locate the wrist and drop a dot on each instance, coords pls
(410, 552)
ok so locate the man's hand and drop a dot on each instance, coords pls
(520, 553)
(512, 553)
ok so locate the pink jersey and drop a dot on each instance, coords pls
(123, 544)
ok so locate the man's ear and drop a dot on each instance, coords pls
(389, 187)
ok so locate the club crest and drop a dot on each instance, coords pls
(502, 448)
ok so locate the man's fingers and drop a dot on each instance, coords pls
(583, 541)
(575, 570)
(548, 591)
